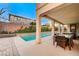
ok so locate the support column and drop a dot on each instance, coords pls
(53, 32)
(62, 29)
(59, 29)
(53, 27)
(68, 29)
(38, 30)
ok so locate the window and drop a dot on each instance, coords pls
(18, 18)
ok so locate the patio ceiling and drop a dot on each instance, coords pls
(65, 13)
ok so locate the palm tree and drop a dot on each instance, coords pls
(2, 11)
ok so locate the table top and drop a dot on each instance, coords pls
(68, 36)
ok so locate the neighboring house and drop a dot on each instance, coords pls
(20, 19)
(15, 23)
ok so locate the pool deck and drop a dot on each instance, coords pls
(30, 48)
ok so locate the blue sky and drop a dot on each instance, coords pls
(44, 21)
(5, 6)
(27, 10)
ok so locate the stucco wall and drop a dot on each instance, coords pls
(10, 27)
(0, 26)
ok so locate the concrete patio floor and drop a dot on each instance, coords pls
(46, 48)
(17, 46)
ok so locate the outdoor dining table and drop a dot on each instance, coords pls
(69, 38)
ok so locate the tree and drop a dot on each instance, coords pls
(2, 11)
(32, 23)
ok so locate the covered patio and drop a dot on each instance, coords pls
(65, 14)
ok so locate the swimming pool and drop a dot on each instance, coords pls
(33, 37)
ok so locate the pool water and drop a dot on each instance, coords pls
(33, 37)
